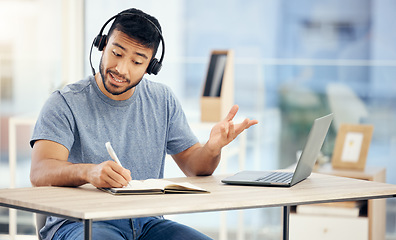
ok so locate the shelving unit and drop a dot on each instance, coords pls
(375, 217)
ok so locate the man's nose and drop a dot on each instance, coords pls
(122, 68)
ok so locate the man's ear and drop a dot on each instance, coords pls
(105, 44)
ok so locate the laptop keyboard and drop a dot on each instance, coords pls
(278, 177)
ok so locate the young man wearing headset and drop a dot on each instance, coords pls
(143, 121)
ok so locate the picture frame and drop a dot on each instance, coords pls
(352, 146)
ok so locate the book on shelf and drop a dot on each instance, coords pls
(348, 209)
(155, 186)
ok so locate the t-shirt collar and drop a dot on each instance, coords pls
(110, 101)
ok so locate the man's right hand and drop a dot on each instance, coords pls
(50, 167)
(109, 174)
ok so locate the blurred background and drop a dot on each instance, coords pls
(294, 61)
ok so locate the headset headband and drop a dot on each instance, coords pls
(100, 42)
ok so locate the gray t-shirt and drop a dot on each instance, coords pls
(141, 129)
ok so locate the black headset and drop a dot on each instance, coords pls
(100, 42)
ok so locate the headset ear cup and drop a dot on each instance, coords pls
(154, 67)
(100, 42)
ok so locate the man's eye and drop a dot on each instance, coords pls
(136, 62)
(116, 54)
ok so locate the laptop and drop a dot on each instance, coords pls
(303, 168)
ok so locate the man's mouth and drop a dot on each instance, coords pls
(116, 79)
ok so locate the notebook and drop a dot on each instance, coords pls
(155, 186)
(303, 168)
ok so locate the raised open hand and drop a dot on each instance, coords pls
(226, 131)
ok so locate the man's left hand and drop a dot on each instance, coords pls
(226, 131)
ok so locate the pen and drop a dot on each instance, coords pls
(112, 154)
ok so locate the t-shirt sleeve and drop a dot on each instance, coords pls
(55, 122)
(180, 135)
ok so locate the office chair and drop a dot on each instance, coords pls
(346, 105)
(40, 222)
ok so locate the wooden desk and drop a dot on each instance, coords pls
(89, 204)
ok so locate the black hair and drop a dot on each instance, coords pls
(138, 26)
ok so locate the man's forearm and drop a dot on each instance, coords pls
(51, 172)
(199, 160)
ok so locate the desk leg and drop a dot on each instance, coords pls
(286, 215)
(87, 229)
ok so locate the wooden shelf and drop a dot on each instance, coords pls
(376, 174)
(376, 209)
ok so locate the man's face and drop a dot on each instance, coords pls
(122, 66)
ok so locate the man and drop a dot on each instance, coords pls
(143, 121)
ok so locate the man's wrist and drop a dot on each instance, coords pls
(212, 150)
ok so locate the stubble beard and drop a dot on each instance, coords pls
(105, 83)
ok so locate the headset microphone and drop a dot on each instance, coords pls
(100, 42)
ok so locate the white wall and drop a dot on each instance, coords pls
(32, 30)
